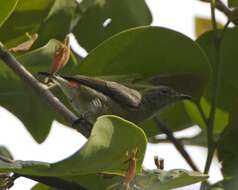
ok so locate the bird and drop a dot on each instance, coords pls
(93, 97)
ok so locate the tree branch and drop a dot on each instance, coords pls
(224, 9)
(40, 89)
(178, 145)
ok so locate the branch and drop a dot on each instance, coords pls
(224, 9)
(178, 144)
(40, 89)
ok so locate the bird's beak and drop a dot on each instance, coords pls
(184, 97)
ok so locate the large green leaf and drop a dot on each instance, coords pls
(108, 148)
(147, 180)
(166, 180)
(58, 22)
(227, 152)
(150, 52)
(227, 80)
(166, 56)
(22, 101)
(105, 18)
(7, 7)
(105, 150)
(27, 17)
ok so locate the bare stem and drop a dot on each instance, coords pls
(211, 117)
(178, 144)
(40, 89)
(219, 5)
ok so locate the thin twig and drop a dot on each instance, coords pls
(211, 117)
(40, 89)
(179, 146)
(193, 140)
(214, 99)
(224, 9)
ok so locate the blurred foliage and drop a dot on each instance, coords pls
(122, 47)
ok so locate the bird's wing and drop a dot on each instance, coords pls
(117, 92)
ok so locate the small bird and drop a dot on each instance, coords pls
(93, 97)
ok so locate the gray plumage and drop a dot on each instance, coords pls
(94, 97)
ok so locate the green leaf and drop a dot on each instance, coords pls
(227, 152)
(105, 146)
(27, 17)
(150, 180)
(233, 3)
(105, 18)
(227, 80)
(151, 52)
(7, 7)
(22, 101)
(166, 180)
(40, 186)
(5, 152)
(58, 22)
(106, 151)
(221, 116)
(147, 180)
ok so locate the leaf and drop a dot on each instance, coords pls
(163, 55)
(27, 17)
(40, 186)
(221, 116)
(227, 152)
(147, 180)
(22, 101)
(203, 25)
(25, 46)
(103, 147)
(151, 51)
(166, 180)
(227, 81)
(58, 22)
(105, 18)
(7, 7)
(5, 152)
(233, 3)
(105, 152)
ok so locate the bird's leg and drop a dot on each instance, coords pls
(82, 123)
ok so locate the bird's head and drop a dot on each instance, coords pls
(159, 97)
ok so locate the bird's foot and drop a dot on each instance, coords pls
(83, 125)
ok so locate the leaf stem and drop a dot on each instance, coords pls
(40, 89)
(178, 144)
(216, 68)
